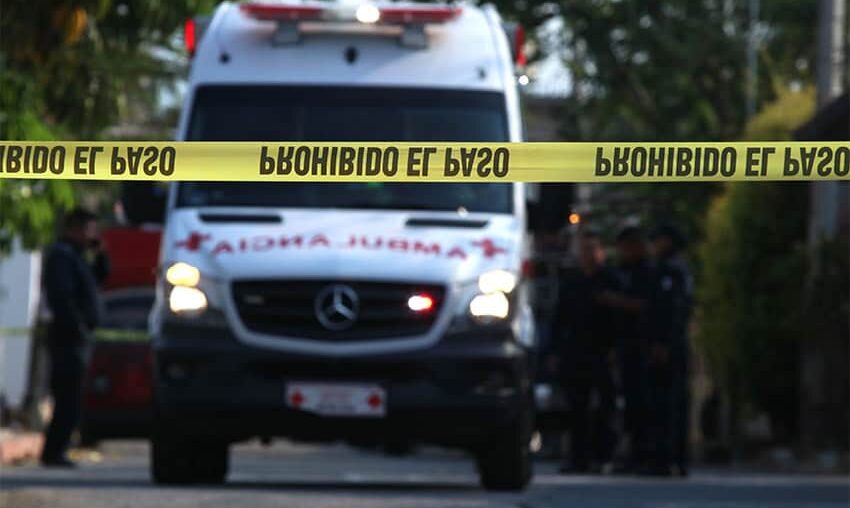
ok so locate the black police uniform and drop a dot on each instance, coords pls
(70, 285)
(668, 382)
(585, 333)
(634, 335)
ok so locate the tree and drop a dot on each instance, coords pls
(27, 207)
(69, 68)
(750, 318)
(676, 70)
(751, 310)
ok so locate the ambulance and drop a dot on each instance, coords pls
(369, 313)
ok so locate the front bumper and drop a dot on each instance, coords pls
(461, 392)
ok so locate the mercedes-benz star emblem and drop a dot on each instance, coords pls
(337, 307)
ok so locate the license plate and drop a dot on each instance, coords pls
(337, 399)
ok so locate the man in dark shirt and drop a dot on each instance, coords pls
(584, 335)
(668, 353)
(70, 283)
(638, 279)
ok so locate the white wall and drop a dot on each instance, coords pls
(20, 276)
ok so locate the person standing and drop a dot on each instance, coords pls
(669, 350)
(73, 266)
(584, 332)
(638, 278)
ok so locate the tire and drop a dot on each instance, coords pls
(400, 448)
(183, 461)
(89, 439)
(506, 464)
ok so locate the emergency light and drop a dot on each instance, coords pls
(411, 17)
(193, 31)
(189, 39)
(420, 303)
(282, 12)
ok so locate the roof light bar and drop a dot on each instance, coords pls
(414, 14)
(281, 11)
(366, 12)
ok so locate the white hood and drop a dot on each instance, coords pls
(343, 244)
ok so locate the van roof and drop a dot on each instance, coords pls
(468, 52)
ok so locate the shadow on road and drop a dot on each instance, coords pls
(84, 483)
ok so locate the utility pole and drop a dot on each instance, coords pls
(823, 221)
(817, 349)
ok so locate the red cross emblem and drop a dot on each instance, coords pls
(193, 242)
(375, 401)
(296, 399)
(489, 248)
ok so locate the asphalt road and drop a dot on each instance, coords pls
(340, 477)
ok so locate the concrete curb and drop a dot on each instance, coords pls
(17, 447)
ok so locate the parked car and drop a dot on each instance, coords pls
(117, 400)
(118, 388)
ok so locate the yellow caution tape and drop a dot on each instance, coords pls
(100, 334)
(14, 332)
(417, 162)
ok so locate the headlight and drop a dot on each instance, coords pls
(186, 300)
(493, 305)
(183, 274)
(497, 281)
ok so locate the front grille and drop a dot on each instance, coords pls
(287, 308)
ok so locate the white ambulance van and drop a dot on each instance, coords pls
(364, 312)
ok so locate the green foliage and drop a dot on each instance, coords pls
(750, 295)
(89, 59)
(676, 70)
(69, 68)
(778, 120)
(789, 48)
(27, 208)
(647, 70)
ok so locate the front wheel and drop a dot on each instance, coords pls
(505, 465)
(178, 460)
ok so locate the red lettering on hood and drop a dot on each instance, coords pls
(222, 246)
(320, 240)
(433, 248)
(296, 241)
(193, 242)
(456, 252)
(265, 243)
(489, 248)
(261, 243)
(375, 243)
(398, 244)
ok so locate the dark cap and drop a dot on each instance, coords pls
(78, 217)
(671, 231)
(590, 233)
(631, 234)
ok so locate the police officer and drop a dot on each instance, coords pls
(585, 332)
(668, 355)
(638, 278)
(73, 267)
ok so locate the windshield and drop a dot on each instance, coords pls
(265, 113)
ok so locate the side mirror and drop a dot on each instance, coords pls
(144, 202)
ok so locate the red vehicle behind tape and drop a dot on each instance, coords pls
(118, 390)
